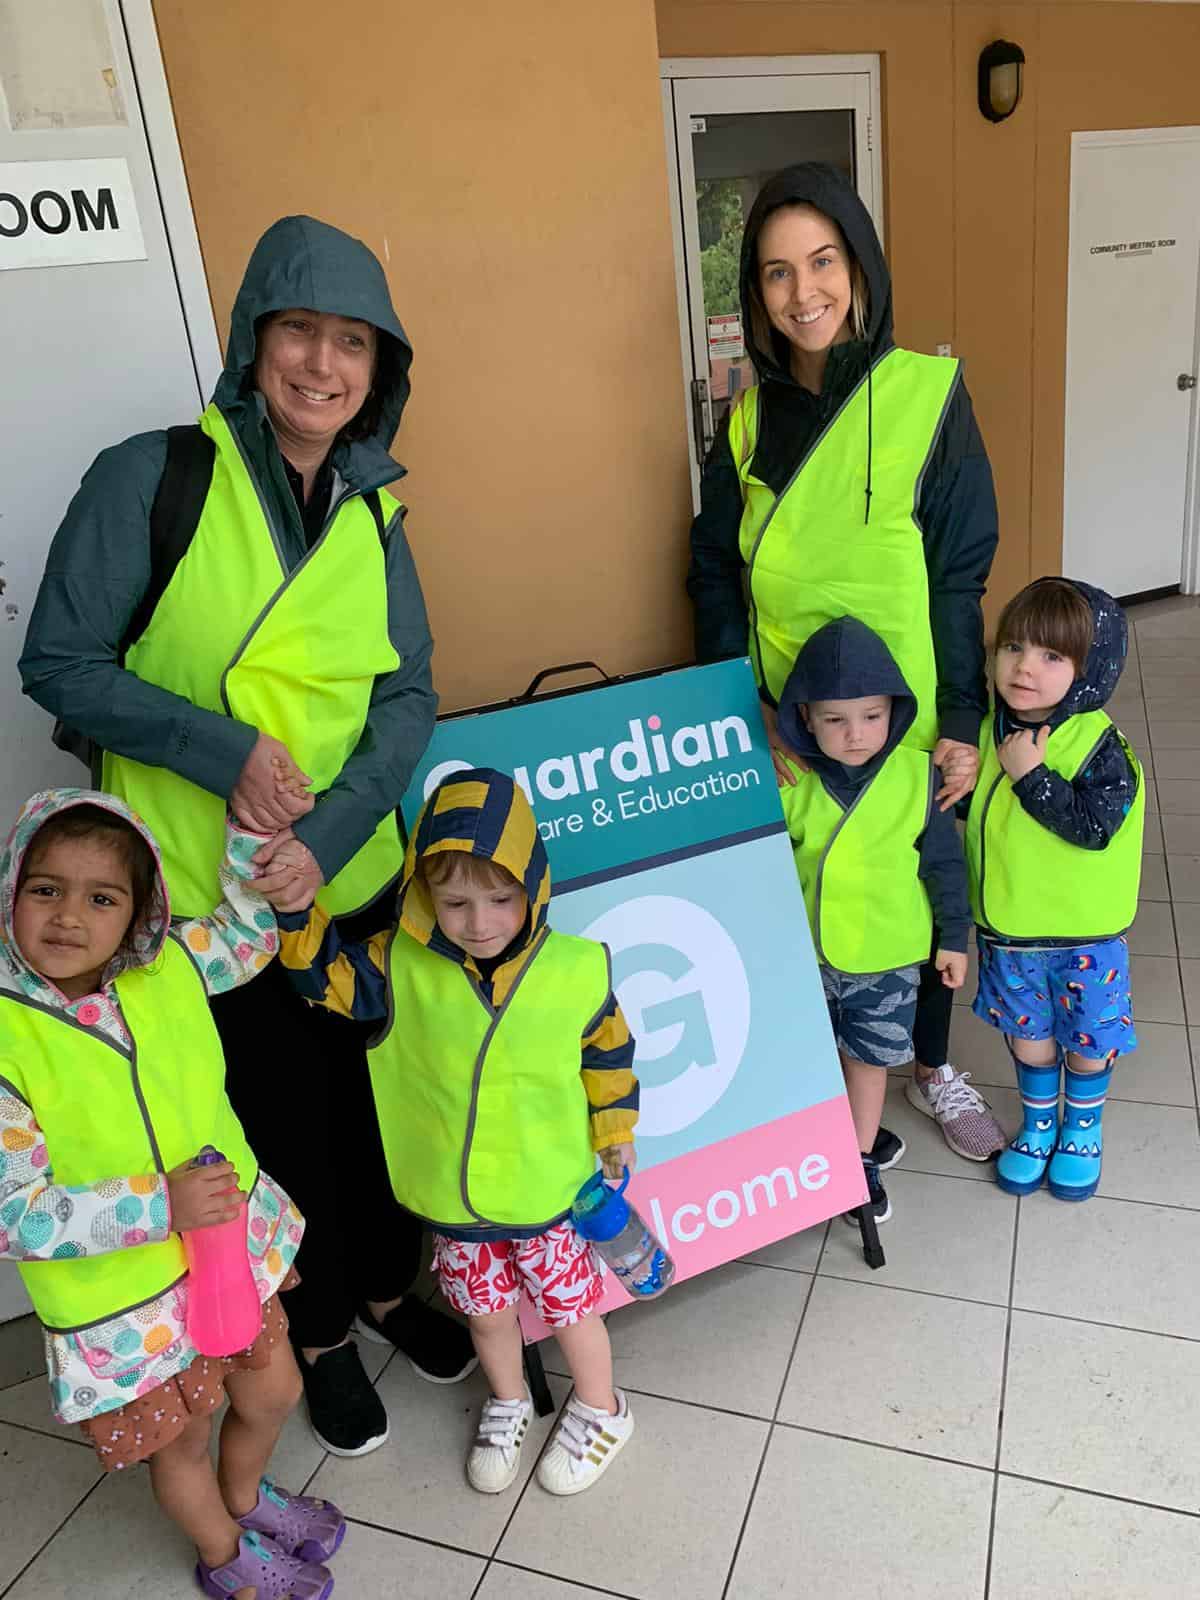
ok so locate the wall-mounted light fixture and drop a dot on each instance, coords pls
(1000, 65)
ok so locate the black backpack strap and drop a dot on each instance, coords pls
(376, 510)
(174, 518)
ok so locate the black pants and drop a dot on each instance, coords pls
(931, 1029)
(298, 1079)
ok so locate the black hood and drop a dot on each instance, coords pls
(844, 660)
(816, 184)
(1105, 663)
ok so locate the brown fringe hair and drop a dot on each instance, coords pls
(438, 867)
(1052, 614)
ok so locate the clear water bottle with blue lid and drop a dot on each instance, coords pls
(607, 1220)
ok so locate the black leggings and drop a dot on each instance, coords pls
(931, 1029)
(298, 1079)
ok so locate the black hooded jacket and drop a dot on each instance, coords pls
(846, 660)
(1088, 809)
(957, 506)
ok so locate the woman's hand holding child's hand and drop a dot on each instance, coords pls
(615, 1159)
(289, 875)
(201, 1197)
(258, 801)
(1023, 750)
(952, 964)
(958, 764)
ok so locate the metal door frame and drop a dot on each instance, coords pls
(868, 154)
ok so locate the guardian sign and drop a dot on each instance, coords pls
(657, 803)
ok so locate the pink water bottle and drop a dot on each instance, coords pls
(224, 1314)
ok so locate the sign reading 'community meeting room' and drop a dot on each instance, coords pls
(67, 214)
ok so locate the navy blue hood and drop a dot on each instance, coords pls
(844, 660)
(1105, 663)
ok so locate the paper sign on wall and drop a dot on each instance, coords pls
(660, 814)
(68, 214)
(725, 341)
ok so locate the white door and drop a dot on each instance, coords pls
(1131, 357)
(731, 124)
(94, 350)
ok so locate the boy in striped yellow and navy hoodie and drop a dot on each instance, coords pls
(501, 1067)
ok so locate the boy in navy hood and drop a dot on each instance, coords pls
(873, 852)
(1057, 779)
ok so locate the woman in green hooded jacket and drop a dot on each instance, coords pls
(282, 671)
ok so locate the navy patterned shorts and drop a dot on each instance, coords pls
(872, 1014)
(1077, 995)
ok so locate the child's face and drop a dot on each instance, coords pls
(850, 731)
(1032, 679)
(481, 918)
(73, 909)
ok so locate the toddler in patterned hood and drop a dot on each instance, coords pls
(111, 1079)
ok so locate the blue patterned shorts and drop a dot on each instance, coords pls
(872, 1014)
(1077, 995)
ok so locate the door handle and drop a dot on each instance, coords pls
(1185, 380)
(700, 434)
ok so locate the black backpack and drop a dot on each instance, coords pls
(174, 518)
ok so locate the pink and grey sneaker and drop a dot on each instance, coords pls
(261, 1565)
(960, 1111)
(310, 1529)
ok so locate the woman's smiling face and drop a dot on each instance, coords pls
(804, 279)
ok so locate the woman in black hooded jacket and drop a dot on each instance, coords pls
(852, 480)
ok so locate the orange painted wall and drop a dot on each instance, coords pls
(977, 214)
(507, 163)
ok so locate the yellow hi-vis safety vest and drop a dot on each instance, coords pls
(810, 555)
(483, 1112)
(867, 907)
(1027, 883)
(108, 1113)
(294, 655)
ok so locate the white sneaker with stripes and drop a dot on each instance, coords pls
(495, 1457)
(584, 1445)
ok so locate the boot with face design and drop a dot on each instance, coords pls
(1074, 1171)
(1021, 1168)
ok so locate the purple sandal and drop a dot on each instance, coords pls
(261, 1565)
(311, 1529)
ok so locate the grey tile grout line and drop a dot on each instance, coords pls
(772, 1422)
(49, 1540)
(1170, 898)
(524, 1490)
(1102, 1494)
(572, 1583)
(1008, 1323)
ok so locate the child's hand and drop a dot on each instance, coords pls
(785, 777)
(615, 1158)
(952, 964)
(203, 1196)
(1023, 750)
(291, 787)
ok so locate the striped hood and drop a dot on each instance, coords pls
(482, 813)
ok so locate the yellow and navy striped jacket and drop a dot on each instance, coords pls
(484, 814)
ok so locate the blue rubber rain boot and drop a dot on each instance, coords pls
(1075, 1164)
(1021, 1167)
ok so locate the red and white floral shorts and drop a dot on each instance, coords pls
(558, 1270)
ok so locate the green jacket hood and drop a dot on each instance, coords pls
(302, 262)
(482, 813)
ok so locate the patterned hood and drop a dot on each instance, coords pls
(483, 813)
(16, 975)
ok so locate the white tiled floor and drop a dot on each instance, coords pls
(1005, 1412)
